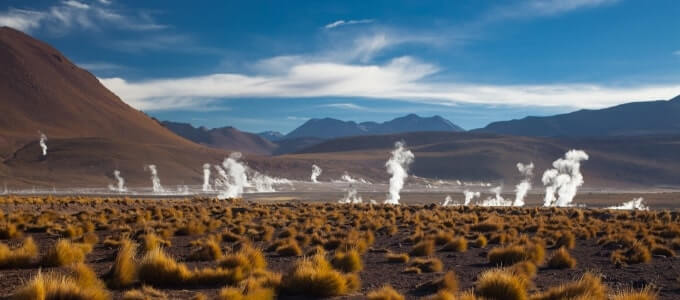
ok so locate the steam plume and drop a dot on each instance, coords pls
(635, 204)
(524, 186)
(351, 196)
(345, 177)
(316, 171)
(206, 178)
(157, 187)
(497, 200)
(397, 166)
(43, 145)
(564, 179)
(235, 177)
(120, 183)
(469, 196)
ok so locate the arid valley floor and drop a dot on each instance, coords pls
(272, 246)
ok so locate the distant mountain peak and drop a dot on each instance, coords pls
(333, 128)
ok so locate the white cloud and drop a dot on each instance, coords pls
(402, 78)
(339, 23)
(71, 14)
(540, 8)
(350, 106)
(677, 52)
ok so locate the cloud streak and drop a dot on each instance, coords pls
(71, 14)
(339, 23)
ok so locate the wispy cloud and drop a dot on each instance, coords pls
(71, 14)
(677, 52)
(349, 106)
(540, 8)
(339, 23)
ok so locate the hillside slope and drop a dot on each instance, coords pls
(227, 138)
(635, 118)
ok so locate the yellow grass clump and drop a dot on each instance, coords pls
(397, 257)
(423, 248)
(23, 256)
(83, 286)
(65, 252)
(316, 278)
(145, 293)
(458, 244)
(123, 272)
(561, 259)
(513, 254)
(384, 293)
(589, 287)
(348, 262)
(501, 285)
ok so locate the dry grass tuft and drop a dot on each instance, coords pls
(21, 257)
(385, 293)
(588, 287)
(427, 265)
(513, 254)
(423, 248)
(561, 259)
(397, 257)
(145, 293)
(348, 262)
(501, 285)
(645, 294)
(290, 248)
(458, 244)
(316, 278)
(65, 253)
(83, 286)
(123, 272)
(448, 283)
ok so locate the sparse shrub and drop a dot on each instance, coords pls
(561, 259)
(9, 231)
(158, 269)
(315, 277)
(23, 256)
(52, 286)
(65, 252)
(123, 272)
(525, 268)
(427, 265)
(247, 259)
(501, 285)
(423, 248)
(385, 293)
(448, 283)
(565, 239)
(513, 254)
(662, 251)
(458, 244)
(231, 293)
(645, 294)
(589, 286)
(635, 255)
(291, 248)
(397, 257)
(208, 249)
(145, 293)
(481, 241)
(348, 262)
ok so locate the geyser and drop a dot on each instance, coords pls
(397, 166)
(120, 183)
(351, 196)
(206, 178)
(316, 171)
(155, 181)
(524, 186)
(563, 180)
(43, 144)
(497, 199)
(635, 204)
(235, 177)
(469, 195)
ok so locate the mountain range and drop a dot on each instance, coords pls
(328, 128)
(637, 118)
(92, 132)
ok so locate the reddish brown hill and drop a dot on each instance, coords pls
(41, 90)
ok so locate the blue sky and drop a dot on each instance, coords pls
(271, 65)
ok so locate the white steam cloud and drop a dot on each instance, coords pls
(351, 197)
(235, 178)
(562, 182)
(120, 183)
(469, 195)
(155, 181)
(524, 186)
(316, 171)
(497, 199)
(43, 144)
(635, 204)
(206, 178)
(397, 166)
